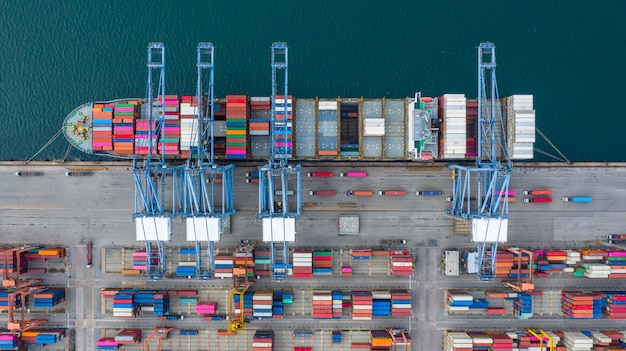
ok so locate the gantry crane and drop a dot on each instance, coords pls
(160, 333)
(488, 213)
(203, 215)
(522, 284)
(19, 288)
(241, 284)
(279, 225)
(154, 207)
(543, 336)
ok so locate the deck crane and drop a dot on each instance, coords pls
(279, 218)
(488, 211)
(205, 218)
(153, 177)
(241, 284)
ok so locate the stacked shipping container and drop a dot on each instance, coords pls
(189, 124)
(302, 263)
(454, 125)
(322, 262)
(263, 340)
(362, 302)
(8, 341)
(206, 308)
(10, 261)
(400, 262)
(236, 126)
(401, 303)
(262, 262)
(49, 298)
(107, 344)
(140, 260)
(224, 266)
(262, 302)
(187, 265)
(259, 126)
(124, 114)
(42, 337)
(322, 304)
(576, 304)
(102, 127)
(520, 120)
(128, 336)
(283, 126)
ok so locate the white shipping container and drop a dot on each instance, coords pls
(362, 307)
(187, 264)
(327, 105)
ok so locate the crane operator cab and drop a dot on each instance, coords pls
(278, 206)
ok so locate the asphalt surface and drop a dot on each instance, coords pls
(55, 209)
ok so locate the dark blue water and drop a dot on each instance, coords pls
(569, 55)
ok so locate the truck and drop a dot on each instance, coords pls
(577, 199)
(322, 192)
(252, 174)
(538, 199)
(359, 193)
(509, 199)
(353, 174)
(320, 174)
(392, 192)
(89, 257)
(28, 174)
(252, 180)
(537, 192)
(393, 241)
(428, 193)
(78, 173)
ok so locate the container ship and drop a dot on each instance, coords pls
(417, 128)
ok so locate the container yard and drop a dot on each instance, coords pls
(205, 242)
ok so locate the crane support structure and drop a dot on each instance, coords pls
(277, 177)
(159, 333)
(241, 284)
(489, 178)
(522, 284)
(208, 188)
(154, 207)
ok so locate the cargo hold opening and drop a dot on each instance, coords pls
(349, 119)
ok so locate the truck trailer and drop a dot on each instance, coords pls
(577, 199)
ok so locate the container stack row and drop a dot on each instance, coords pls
(4, 299)
(124, 115)
(322, 304)
(128, 336)
(380, 340)
(616, 305)
(525, 340)
(302, 263)
(458, 301)
(322, 262)
(523, 306)
(102, 127)
(243, 263)
(161, 303)
(381, 303)
(283, 126)
(224, 266)
(49, 298)
(206, 308)
(278, 303)
(401, 305)
(124, 305)
(259, 126)
(51, 252)
(42, 337)
(400, 262)
(107, 344)
(236, 129)
(8, 341)
(520, 120)
(263, 340)
(364, 255)
(262, 303)
(187, 265)
(581, 305)
(454, 126)
(169, 139)
(262, 262)
(362, 304)
(471, 117)
(336, 337)
(9, 262)
(140, 260)
(189, 124)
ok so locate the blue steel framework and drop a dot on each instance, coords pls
(277, 165)
(200, 193)
(151, 177)
(490, 174)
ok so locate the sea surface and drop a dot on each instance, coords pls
(570, 55)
